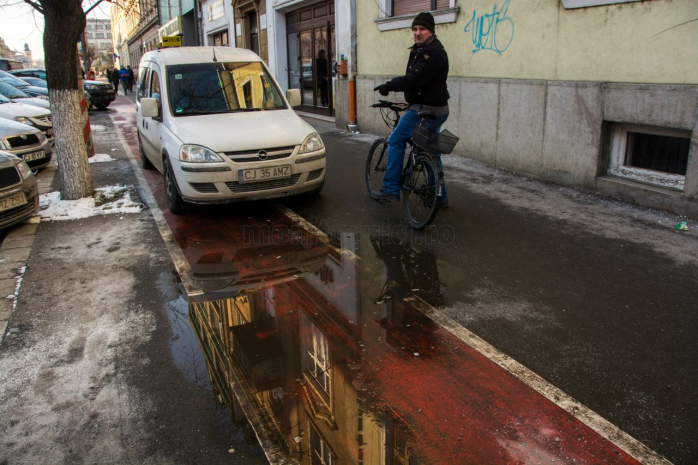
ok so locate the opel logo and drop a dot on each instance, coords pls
(262, 155)
(23, 136)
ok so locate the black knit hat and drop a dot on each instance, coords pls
(425, 20)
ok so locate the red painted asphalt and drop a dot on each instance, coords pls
(455, 405)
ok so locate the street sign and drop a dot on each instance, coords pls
(171, 41)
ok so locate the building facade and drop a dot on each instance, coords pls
(98, 36)
(597, 94)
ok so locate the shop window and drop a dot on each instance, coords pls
(657, 156)
(220, 39)
(398, 14)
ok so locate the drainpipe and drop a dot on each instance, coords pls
(352, 127)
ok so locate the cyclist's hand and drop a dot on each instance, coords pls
(382, 89)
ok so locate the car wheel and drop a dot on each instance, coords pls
(145, 163)
(175, 203)
(102, 107)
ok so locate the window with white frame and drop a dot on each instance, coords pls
(652, 155)
(317, 358)
(398, 14)
(320, 451)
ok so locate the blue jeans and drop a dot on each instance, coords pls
(397, 143)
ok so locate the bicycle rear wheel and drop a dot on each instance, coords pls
(420, 192)
(375, 166)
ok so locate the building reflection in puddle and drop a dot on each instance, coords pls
(340, 365)
(300, 349)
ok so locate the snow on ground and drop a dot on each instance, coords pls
(106, 200)
(98, 128)
(100, 157)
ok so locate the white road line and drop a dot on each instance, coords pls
(596, 422)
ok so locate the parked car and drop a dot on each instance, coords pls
(99, 94)
(26, 142)
(18, 96)
(19, 193)
(14, 81)
(33, 116)
(33, 72)
(221, 131)
(34, 81)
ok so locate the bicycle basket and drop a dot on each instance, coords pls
(444, 142)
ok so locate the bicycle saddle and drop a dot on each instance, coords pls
(428, 114)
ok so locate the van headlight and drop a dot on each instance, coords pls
(43, 97)
(198, 154)
(24, 169)
(312, 143)
(23, 120)
(40, 135)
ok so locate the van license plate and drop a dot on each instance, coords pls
(34, 156)
(264, 174)
(12, 201)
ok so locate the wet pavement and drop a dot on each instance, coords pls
(328, 339)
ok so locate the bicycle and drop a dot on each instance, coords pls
(422, 176)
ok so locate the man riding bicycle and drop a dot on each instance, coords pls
(424, 85)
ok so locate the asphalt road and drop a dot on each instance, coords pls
(596, 296)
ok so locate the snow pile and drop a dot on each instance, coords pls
(106, 200)
(100, 157)
(98, 128)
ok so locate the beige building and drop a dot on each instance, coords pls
(599, 94)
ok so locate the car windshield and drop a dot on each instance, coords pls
(11, 80)
(36, 82)
(221, 88)
(11, 92)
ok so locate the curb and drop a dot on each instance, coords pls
(16, 250)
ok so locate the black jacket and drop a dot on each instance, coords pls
(424, 81)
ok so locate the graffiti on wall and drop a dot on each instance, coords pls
(492, 31)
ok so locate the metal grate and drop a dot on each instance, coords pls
(263, 185)
(45, 119)
(19, 211)
(204, 187)
(9, 177)
(247, 156)
(313, 175)
(19, 141)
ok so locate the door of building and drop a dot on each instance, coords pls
(311, 55)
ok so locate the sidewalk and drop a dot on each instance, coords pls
(89, 367)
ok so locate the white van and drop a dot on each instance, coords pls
(214, 122)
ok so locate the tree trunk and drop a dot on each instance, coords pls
(64, 22)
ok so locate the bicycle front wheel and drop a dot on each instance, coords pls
(420, 192)
(375, 166)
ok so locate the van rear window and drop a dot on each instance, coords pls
(203, 88)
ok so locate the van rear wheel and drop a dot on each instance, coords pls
(175, 203)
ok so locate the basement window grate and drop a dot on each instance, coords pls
(652, 155)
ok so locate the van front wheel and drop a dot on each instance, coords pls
(175, 203)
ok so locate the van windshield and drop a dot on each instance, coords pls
(221, 88)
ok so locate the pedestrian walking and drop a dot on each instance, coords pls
(123, 77)
(424, 85)
(114, 79)
(130, 78)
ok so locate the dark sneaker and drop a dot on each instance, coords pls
(443, 203)
(387, 197)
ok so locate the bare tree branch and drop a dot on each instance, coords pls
(35, 5)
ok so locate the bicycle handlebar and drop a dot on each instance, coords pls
(391, 105)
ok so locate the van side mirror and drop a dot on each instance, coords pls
(294, 97)
(149, 108)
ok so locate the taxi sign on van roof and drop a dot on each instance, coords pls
(171, 41)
